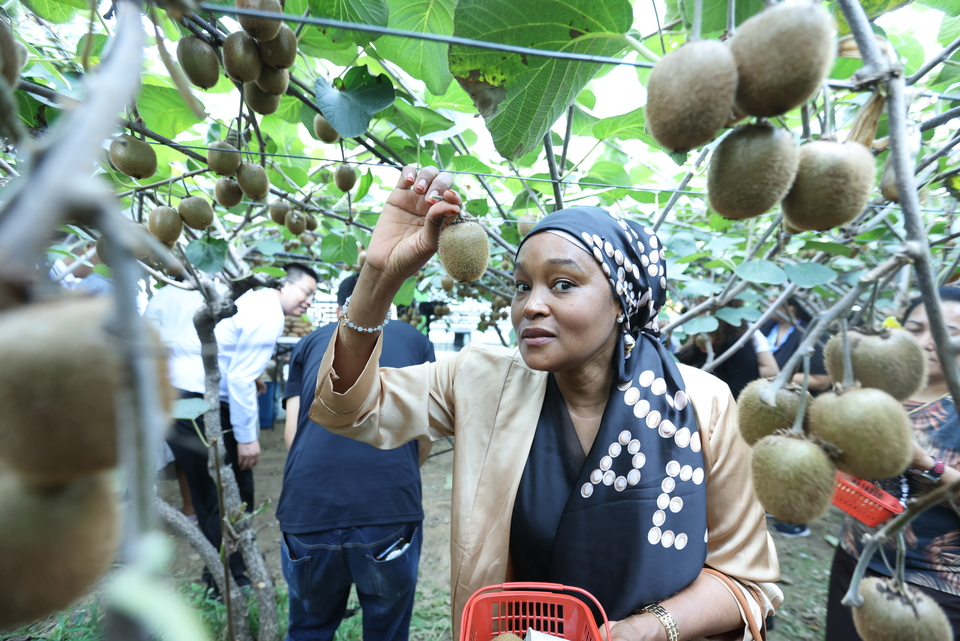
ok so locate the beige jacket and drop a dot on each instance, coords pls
(491, 402)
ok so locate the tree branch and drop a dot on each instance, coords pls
(675, 196)
(875, 66)
(937, 59)
(554, 174)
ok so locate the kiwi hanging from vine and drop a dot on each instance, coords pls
(324, 130)
(345, 177)
(279, 211)
(792, 477)
(227, 192)
(196, 212)
(253, 181)
(891, 360)
(892, 612)
(223, 158)
(241, 58)
(199, 61)
(281, 51)
(257, 26)
(165, 224)
(258, 100)
(133, 157)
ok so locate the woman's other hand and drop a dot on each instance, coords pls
(635, 628)
(408, 229)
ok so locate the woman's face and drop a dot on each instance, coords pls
(918, 325)
(563, 311)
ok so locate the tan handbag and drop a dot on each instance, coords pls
(759, 632)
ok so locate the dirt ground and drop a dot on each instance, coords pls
(805, 562)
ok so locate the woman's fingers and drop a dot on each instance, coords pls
(408, 176)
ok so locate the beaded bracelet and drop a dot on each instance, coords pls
(369, 330)
(666, 619)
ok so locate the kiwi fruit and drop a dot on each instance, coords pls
(757, 419)
(227, 192)
(273, 81)
(792, 477)
(783, 54)
(199, 61)
(868, 427)
(892, 361)
(165, 224)
(307, 238)
(888, 181)
(324, 130)
(447, 283)
(832, 186)
(56, 543)
(241, 58)
(507, 636)
(345, 177)
(253, 181)
(312, 222)
(295, 222)
(464, 250)
(10, 56)
(223, 158)
(281, 51)
(258, 100)
(133, 157)
(258, 27)
(896, 613)
(61, 370)
(525, 223)
(196, 212)
(279, 211)
(134, 235)
(690, 94)
(751, 170)
(790, 229)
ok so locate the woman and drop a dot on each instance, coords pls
(634, 519)
(933, 539)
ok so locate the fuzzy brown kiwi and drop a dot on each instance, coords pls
(896, 613)
(223, 158)
(281, 51)
(892, 361)
(133, 157)
(832, 186)
(751, 170)
(61, 369)
(57, 542)
(324, 130)
(196, 212)
(273, 81)
(258, 100)
(869, 428)
(259, 27)
(690, 94)
(199, 61)
(241, 58)
(295, 222)
(447, 283)
(312, 222)
(253, 181)
(227, 192)
(525, 223)
(783, 55)
(757, 419)
(888, 181)
(307, 238)
(9, 56)
(345, 177)
(165, 224)
(792, 477)
(464, 250)
(279, 211)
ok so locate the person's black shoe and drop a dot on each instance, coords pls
(791, 530)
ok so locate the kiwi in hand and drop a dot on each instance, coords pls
(792, 477)
(324, 130)
(165, 224)
(56, 543)
(345, 177)
(253, 181)
(892, 612)
(196, 212)
(464, 250)
(690, 94)
(751, 170)
(133, 157)
(241, 58)
(892, 361)
(199, 61)
(757, 419)
(227, 192)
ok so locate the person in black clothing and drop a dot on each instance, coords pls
(349, 513)
(738, 370)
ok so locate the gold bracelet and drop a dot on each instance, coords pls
(657, 610)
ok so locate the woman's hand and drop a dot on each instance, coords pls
(635, 628)
(408, 229)
(921, 459)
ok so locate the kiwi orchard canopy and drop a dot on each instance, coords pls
(242, 130)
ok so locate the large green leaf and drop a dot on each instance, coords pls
(527, 94)
(207, 254)
(700, 324)
(949, 30)
(714, 15)
(419, 121)
(350, 107)
(372, 12)
(625, 126)
(60, 11)
(810, 274)
(950, 7)
(763, 272)
(422, 59)
(164, 111)
(339, 249)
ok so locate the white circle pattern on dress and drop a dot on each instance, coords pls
(608, 477)
(698, 475)
(667, 485)
(586, 491)
(620, 483)
(682, 437)
(673, 468)
(633, 446)
(680, 399)
(624, 438)
(676, 504)
(667, 429)
(686, 473)
(605, 463)
(615, 449)
(633, 476)
(653, 536)
(659, 517)
(695, 441)
(596, 476)
(659, 386)
(681, 541)
(608, 249)
(663, 501)
(646, 378)
(618, 257)
(653, 419)
(667, 539)
(642, 408)
(639, 460)
(631, 396)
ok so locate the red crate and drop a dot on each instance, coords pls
(545, 607)
(864, 501)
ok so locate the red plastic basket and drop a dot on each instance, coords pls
(864, 501)
(516, 607)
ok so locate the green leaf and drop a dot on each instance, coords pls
(276, 272)
(714, 13)
(625, 126)
(207, 254)
(700, 324)
(422, 59)
(164, 111)
(289, 109)
(350, 109)
(59, 11)
(97, 42)
(763, 272)
(949, 30)
(420, 121)
(269, 247)
(830, 248)
(366, 180)
(190, 408)
(371, 12)
(469, 164)
(526, 94)
(701, 288)
(810, 274)
(950, 7)
(313, 42)
(874, 9)
(605, 172)
(407, 290)
(335, 248)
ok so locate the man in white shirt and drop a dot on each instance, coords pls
(245, 344)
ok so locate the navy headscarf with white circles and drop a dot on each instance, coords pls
(642, 490)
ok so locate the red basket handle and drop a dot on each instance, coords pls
(543, 587)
